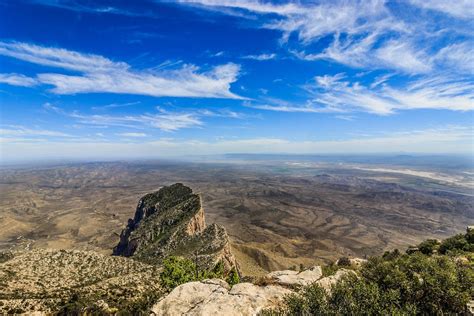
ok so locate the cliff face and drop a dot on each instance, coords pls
(170, 222)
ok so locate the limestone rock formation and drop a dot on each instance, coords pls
(327, 282)
(171, 222)
(290, 277)
(215, 297)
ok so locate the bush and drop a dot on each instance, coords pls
(177, 270)
(429, 246)
(233, 277)
(430, 284)
(344, 262)
(457, 243)
(330, 269)
(395, 284)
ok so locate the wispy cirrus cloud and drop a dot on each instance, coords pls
(115, 105)
(365, 34)
(167, 121)
(18, 80)
(260, 57)
(439, 93)
(21, 131)
(340, 94)
(132, 134)
(100, 74)
(87, 7)
(461, 8)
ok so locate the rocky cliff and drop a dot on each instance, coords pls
(171, 222)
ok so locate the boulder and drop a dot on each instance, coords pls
(331, 280)
(215, 297)
(290, 277)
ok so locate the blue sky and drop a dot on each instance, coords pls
(123, 79)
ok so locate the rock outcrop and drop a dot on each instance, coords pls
(215, 297)
(291, 277)
(171, 222)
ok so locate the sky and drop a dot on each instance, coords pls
(150, 79)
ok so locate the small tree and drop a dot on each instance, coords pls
(177, 271)
(233, 277)
(428, 246)
(344, 262)
(457, 242)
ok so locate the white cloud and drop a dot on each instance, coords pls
(366, 34)
(132, 134)
(395, 54)
(114, 105)
(164, 120)
(60, 58)
(445, 93)
(81, 6)
(260, 57)
(286, 108)
(14, 131)
(310, 21)
(338, 94)
(167, 121)
(99, 74)
(460, 8)
(18, 80)
(459, 56)
(400, 54)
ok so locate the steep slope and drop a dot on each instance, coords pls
(171, 222)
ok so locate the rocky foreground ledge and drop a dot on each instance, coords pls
(216, 297)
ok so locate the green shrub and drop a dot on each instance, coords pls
(457, 243)
(233, 277)
(344, 262)
(428, 246)
(177, 271)
(395, 284)
(329, 269)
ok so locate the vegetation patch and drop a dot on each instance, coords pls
(430, 281)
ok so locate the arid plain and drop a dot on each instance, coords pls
(277, 213)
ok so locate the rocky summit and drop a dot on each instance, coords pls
(171, 222)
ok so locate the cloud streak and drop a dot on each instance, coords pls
(261, 57)
(365, 34)
(164, 120)
(102, 75)
(339, 94)
(18, 80)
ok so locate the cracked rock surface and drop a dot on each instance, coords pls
(215, 297)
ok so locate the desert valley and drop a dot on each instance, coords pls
(278, 213)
